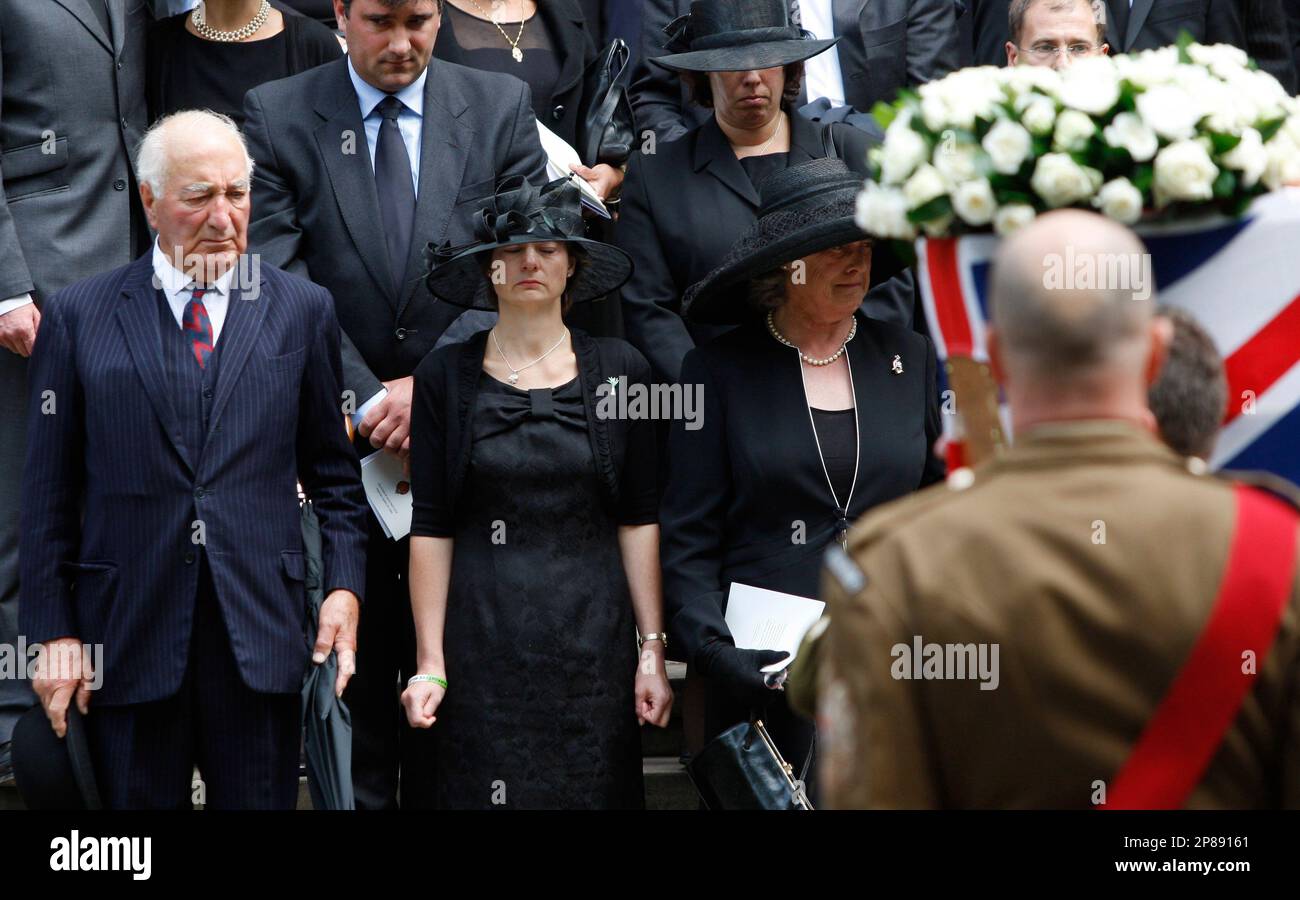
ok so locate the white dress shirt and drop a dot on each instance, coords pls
(821, 74)
(176, 287)
(409, 120)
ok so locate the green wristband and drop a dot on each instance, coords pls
(440, 682)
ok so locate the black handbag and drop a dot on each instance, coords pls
(606, 129)
(743, 769)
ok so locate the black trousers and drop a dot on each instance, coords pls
(244, 743)
(391, 761)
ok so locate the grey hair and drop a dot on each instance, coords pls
(152, 161)
(767, 292)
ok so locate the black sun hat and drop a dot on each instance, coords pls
(737, 36)
(53, 772)
(520, 214)
(803, 210)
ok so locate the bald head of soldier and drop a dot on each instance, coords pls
(1073, 333)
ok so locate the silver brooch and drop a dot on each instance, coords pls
(898, 365)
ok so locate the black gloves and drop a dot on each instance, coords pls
(738, 670)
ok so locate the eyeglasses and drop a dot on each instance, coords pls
(1045, 52)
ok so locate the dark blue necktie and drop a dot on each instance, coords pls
(396, 189)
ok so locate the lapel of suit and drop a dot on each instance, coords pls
(1137, 17)
(81, 9)
(341, 141)
(138, 314)
(713, 152)
(445, 146)
(244, 315)
(117, 17)
(805, 140)
(564, 23)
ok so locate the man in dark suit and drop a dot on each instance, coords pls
(885, 45)
(1144, 26)
(174, 403)
(361, 163)
(67, 210)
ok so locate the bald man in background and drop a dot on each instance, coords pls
(1080, 568)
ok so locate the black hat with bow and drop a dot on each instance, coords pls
(737, 36)
(803, 210)
(520, 214)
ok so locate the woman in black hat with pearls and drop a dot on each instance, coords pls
(814, 413)
(534, 537)
(686, 203)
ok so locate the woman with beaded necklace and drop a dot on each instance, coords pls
(813, 414)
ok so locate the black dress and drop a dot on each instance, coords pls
(540, 639)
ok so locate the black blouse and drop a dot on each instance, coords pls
(478, 44)
(447, 385)
(747, 499)
(188, 72)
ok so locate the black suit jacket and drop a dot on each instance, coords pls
(737, 485)
(678, 235)
(1147, 25)
(886, 45)
(316, 210)
(111, 492)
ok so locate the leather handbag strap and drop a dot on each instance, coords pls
(1179, 741)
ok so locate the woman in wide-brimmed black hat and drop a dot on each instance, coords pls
(815, 413)
(686, 202)
(534, 543)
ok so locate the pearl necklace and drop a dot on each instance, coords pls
(207, 31)
(514, 373)
(853, 330)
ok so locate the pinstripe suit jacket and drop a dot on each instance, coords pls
(115, 505)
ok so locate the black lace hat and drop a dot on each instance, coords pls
(736, 36)
(520, 214)
(803, 210)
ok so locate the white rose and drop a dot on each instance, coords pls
(1013, 217)
(1248, 157)
(1217, 56)
(903, 151)
(924, 186)
(1283, 165)
(973, 201)
(1037, 112)
(1170, 111)
(1090, 85)
(1073, 129)
(1060, 181)
(955, 162)
(882, 212)
(1184, 171)
(1008, 145)
(1128, 131)
(937, 228)
(1148, 69)
(1119, 200)
(1019, 80)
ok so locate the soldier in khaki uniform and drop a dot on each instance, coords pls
(1089, 555)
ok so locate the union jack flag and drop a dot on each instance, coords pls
(1240, 279)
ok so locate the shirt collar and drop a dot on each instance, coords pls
(173, 281)
(369, 96)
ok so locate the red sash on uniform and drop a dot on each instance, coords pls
(1189, 725)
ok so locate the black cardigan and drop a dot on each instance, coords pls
(442, 412)
(737, 486)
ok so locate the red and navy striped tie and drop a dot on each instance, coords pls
(196, 323)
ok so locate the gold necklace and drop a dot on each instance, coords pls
(514, 45)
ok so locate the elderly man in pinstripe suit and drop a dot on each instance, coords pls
(173, 404)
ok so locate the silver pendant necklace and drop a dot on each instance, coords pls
(514, 373)
(841, 511)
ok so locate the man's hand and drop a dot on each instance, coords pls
(388, 422)
(338, 632)
(18, 329)
(605, 179)
(61, 673)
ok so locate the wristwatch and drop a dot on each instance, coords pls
(654, 636)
